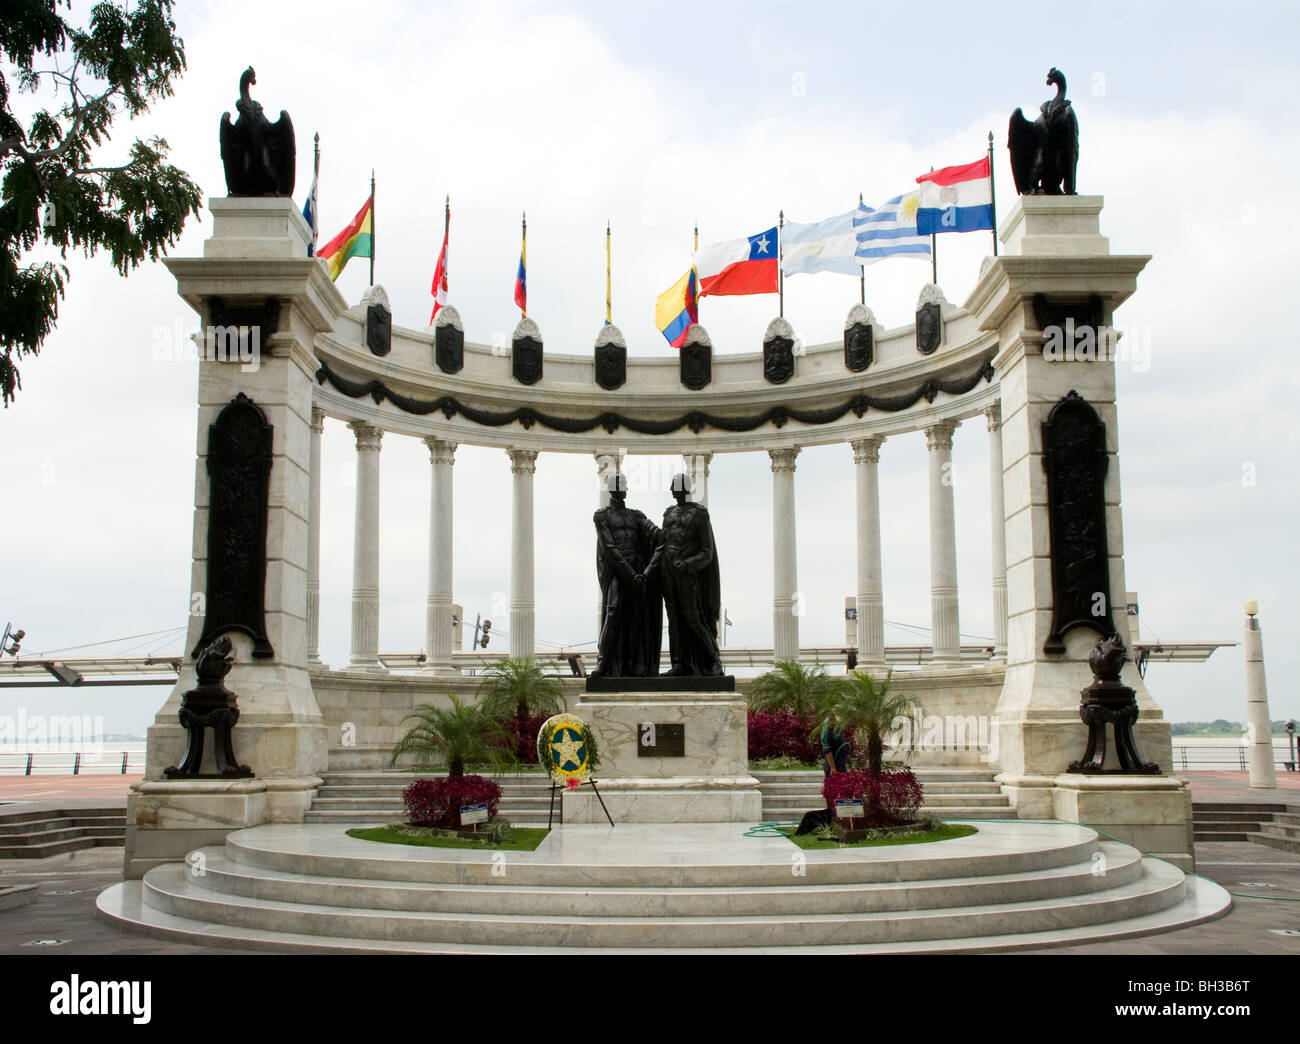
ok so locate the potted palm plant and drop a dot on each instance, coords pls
(518, 695)
(456, 737)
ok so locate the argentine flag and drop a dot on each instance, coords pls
(889, 230)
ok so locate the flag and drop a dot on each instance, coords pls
(825, 246)
(521, 279)
(310, 215)
(956, 199)
(676, 308)
(353, 241)
(739, 266)
(439, 286)
(890, 230)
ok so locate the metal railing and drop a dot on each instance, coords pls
(1234, 756)
(72, 763)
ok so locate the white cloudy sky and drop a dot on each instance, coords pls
(654, 116)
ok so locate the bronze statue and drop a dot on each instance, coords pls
(631, 631)
(1045, 153)
(210, 705)
(259, 156)
(687, 561)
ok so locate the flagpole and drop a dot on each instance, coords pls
(446, 234)
(695, 251)
(523, 256)
(934, 254)
(993, 199)
(862, 296)
(372, 226)
(780, 256)
(609, 300)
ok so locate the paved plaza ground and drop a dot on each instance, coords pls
(1265, 884)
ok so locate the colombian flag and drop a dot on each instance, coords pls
(354, 241)
(521, 279)
(676, 308)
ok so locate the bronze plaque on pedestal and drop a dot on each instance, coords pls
(661, 740)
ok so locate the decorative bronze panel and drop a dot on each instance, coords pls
(449, 347)
(1074, 458)
(859, 346)
(929, 327)
(778, 359)
(239, 470)
(696, 361)
(379, 329)
(526, 359)
(611, 365)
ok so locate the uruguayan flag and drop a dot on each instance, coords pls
(889, 230)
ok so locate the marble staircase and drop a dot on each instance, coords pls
(370, 797)
(36, 833)
(662, 888)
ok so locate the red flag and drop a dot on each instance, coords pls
(439, 287)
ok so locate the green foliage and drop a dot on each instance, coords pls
(870, 707)
(500, 836)
(789, 685)
(128, 57)
(519, 688)
(781, 764)
(824, 837)
(457, 736)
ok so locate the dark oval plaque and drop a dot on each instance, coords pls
(526, 359)
(778, 359)
(929, 327)
(449, 347)
(379, 329)
(859, 343)
(696, 362)
(611, 364)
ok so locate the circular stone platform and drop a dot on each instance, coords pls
(686, 887)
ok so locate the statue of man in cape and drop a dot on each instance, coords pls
(631, 632)
(687, 562)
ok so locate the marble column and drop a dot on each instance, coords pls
(313, 538)
(365, 554)
(786, 603)
(523, 462)
(998, 524)
(944, 638)
(697, 468)
(871, 605)
(442, 455)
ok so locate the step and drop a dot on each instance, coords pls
(1231, 826)
(1213, 835)
(33, 826)
(815, 787)
(925, 776)
(51, 848)
(954, 814)
(1261, 809)
(1280, 841)
(171, 889)
(123, 904)
(221, 874)
(361, 817)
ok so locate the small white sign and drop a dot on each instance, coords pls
(471, 814)
(848, 809)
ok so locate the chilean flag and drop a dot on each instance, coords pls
(956, 199)
(739, 266)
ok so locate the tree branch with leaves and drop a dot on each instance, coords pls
(52, 190)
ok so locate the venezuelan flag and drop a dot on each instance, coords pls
(354, 241)
(676, 308)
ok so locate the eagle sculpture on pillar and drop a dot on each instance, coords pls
(1045, 153)
(260, 157)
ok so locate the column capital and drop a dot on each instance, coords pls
(522, 461)
(939, 435)
(368, 435)
(704, 457)
(603, 455)
(783, 459)
(994, 416)
(440, 450)
(867, 451)
(317, 419)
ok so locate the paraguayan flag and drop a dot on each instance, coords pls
(824, 246)
(890, 230)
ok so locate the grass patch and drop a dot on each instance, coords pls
(942, 832)
(782, 764)
(519, 839)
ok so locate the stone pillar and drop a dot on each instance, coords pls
(523, 462)
(255, 262)
(998, 527)
(313, 539)
(944, 639)
(1263, 773)
(1056, 266)
(438, 626)
(786, 601)
(365, 553)
(697, 469)
(871, 603)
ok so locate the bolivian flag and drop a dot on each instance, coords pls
(353, 241)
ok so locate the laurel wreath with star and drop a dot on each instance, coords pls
(566, 748)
